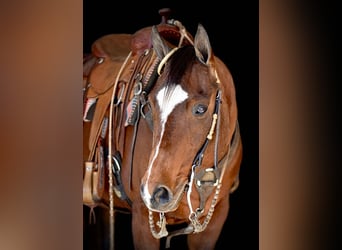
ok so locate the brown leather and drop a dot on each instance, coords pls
(110, 51)
(87, 184)
(114, 46)
(95, 130)
(88, 63)
(99, 72)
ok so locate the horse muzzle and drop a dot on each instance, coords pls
(162, 199)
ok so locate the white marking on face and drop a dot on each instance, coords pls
(167, 100)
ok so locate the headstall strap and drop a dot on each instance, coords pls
(206, 180)
(199, 156)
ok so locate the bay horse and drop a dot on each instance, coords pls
(161, 134)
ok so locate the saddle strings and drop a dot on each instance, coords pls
(110, 171)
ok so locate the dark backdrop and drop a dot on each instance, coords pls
(233, 29)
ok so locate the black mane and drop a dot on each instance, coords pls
(179, 63)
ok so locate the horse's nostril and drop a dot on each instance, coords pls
(160, 195)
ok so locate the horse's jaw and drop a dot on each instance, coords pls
(160, 207)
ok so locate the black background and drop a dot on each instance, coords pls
(233, 29)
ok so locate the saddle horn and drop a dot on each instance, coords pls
(165, 13)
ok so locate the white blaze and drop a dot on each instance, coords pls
(166, 103)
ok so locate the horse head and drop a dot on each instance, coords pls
(194, 119)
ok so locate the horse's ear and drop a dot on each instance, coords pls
(202, 45)
(160, 47)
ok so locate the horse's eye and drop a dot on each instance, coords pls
(199, 109)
